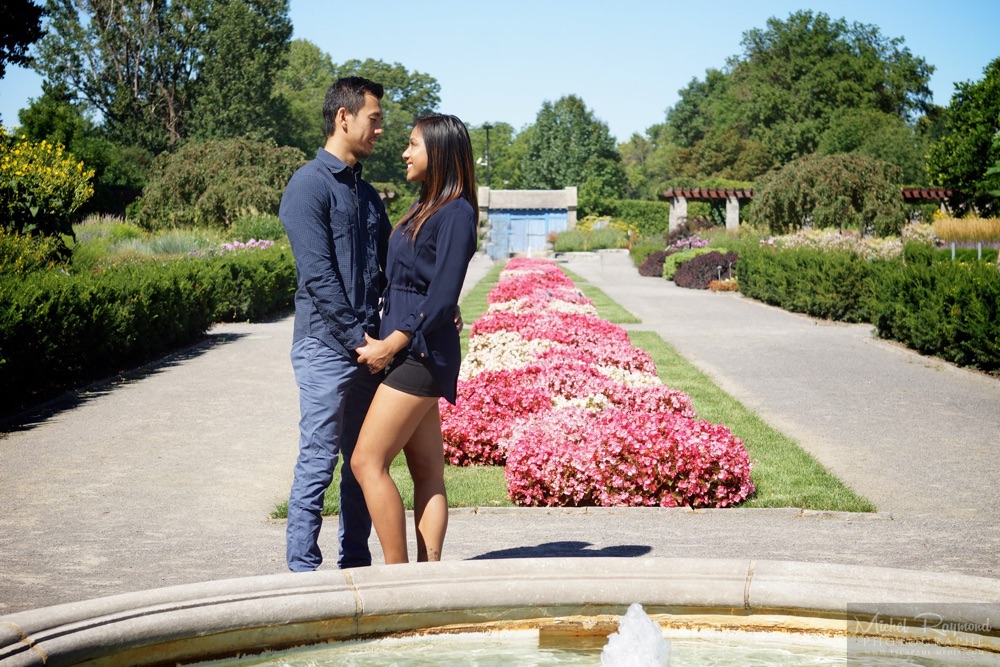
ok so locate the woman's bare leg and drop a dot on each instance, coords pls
(425, 459)
(391, 421)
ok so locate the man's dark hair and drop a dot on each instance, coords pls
(348, 93)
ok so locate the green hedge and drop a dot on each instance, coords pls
(645, 217)
(828, 284)
(946, 309)
(59, 330)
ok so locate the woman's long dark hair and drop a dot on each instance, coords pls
(451, 172)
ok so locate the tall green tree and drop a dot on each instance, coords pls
(775, 101)
(570, 147)
(303, 83)
(243, 46)
(157, 72)
(20, 27)
(964, 157)
(879, 135)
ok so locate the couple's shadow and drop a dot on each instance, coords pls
(567, 549)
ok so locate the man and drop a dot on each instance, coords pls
(339, 232)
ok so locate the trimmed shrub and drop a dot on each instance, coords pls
(826, 284)
(645, 218)
(653, 265)
(214, 183)
(698, 272)
(947, 309)
(59, 330)
(675, 259)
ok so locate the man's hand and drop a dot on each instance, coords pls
(459, 324)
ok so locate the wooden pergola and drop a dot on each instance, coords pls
(678, 198)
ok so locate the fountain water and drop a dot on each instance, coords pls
(639, 642)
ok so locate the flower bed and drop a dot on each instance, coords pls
(576, 413)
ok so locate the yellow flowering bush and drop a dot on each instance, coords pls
(41, 185)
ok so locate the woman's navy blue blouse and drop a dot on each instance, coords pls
(425, 279)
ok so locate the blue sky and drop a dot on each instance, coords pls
(499, 61)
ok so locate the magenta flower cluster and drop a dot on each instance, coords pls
(582, 418)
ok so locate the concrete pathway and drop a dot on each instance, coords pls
(169, 477)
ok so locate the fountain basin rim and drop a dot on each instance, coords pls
(219, 618)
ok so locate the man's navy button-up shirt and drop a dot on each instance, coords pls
(339, 232)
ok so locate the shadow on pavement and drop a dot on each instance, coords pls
(567, 549)
(29, 417)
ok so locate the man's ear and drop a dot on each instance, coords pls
(342, 115)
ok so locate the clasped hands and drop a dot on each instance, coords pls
(377, 354)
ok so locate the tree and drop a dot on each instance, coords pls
(847, 191)
(795, 74)
(22, 27)
(879, 135)
(244, 46)
(774, 102)
(570, 147)
(504, 168)
(156, 71)
(303, 83)
(962, 159)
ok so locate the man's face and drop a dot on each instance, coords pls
(364, 129)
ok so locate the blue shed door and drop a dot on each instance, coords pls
(521, 231)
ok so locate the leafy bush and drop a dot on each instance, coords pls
(41, 186)
(845, 191)
(653, 265)
(259, 226)
(21, 254)
(571, 240)
(675, 259)
(698, 272)
(214, 183)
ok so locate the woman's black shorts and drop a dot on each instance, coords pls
(412, 377)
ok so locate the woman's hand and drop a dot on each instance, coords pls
(377, 354)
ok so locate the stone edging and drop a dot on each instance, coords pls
(214, 619)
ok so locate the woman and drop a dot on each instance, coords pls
(429, 254)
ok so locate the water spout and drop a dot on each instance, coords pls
(639, 642)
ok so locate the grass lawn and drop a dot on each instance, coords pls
(785, 475)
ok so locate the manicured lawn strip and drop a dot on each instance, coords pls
(785, 475)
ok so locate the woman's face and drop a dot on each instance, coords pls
(416, 157)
